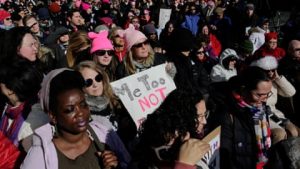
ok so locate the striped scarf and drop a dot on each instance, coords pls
(16, 115)
(262, 130)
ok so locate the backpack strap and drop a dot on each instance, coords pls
(99, 145)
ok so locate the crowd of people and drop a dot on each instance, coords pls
(231, 69)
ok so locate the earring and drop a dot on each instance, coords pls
(54, 130)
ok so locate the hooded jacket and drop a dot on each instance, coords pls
(219, 72)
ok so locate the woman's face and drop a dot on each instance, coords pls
(202, 115)
(272, 43)
(170, 28)
(96, 88)
(5, 91)
(140, 50)
(7, 21)
(34, 26)
(64, 38)
(200, 54)
(29, 48)
(73, 112)
(118, 41)
(261, 94)
(205, 30)
(103, 57)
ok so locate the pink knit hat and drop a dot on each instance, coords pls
(4, 14)
(85, 6)
(131, 36)
(100, 41)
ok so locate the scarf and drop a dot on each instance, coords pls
(16, 115)
(141, 66)
(97, 103)
(262, 130)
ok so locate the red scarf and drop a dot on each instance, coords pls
(15, 114)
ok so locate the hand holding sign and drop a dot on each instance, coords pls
(192, 151)
(143, 92)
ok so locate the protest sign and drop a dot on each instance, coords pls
(143, 92)
(212, 158)
(164, 17)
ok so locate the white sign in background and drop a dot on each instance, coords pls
(164, 17)
(143, 92)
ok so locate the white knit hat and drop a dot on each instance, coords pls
(266, 63)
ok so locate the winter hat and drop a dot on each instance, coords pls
(100, 28)
(227, 53)
(149, 29)
(250, 6)
(266, 63)
(54, 7)
(106, 1)
(4, 14)
(100, 41)
(55, 34)
(106, 20)
(43, 13)
(246, 46)
(182, 40)
(271, 35)
(131, 36)
(85, 6)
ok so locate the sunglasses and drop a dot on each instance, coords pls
(103, 52)
(139, 45)
(89, 82)
(200, 52)
(271, 70)
(8, 19)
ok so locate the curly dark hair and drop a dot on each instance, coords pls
(22, 78)
(174, 119)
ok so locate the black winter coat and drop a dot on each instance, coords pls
(238, 140)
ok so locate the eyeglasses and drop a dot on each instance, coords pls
(89, 82)
(205, 115)
(103, 52)
(272, 70)
(263, 95)
(8, 19)
(200, 52)
(162, 152)
(139, 45)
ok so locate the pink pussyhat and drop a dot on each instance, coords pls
(100, 41)
(131, 36)
(85, 6)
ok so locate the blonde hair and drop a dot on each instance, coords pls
(107, 89)
(78, 40)
(128, 61)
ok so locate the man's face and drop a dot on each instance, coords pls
(76, 19)
(295, 50)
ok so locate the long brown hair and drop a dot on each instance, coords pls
(78, 40)
(107, 89)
